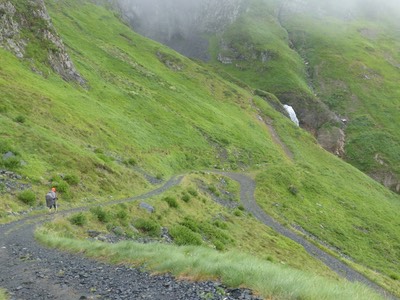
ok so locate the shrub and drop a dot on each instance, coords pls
(191, 224)
(61, 186)
(237, 212)
(118, 231)
(394, 276)
(219, 245)
(221, 224)
(212, 189)
(78, 219)
(20, 119)
(71, 179)
(185, 198)
(3, 109)
(129, 234)
(130, 162)
(98, 151)
(184, 236)
(28, 197)
(171, 202)
(101, 214)
(193, 192)
(12, 163)
(122, 214)
(104, 158)
(216, 235)
(148, 226)
(4, 147)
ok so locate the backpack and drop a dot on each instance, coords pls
(49, 199)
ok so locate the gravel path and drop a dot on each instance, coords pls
(30, 271)
(247, 198)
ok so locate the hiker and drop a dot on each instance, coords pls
(51, 198)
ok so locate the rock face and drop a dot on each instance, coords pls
(10, 30)
(384, 175)
(26, 22)
(180, 24)
(332, 139)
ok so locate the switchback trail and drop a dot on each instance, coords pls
(247, 189)
(30, 271)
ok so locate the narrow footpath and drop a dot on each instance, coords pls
(30, 271)
(247, 198)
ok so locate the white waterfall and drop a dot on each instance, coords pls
(292, 114)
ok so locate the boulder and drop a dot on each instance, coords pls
(8, 155)
(147, 207)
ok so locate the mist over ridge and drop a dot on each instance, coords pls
(182, 24)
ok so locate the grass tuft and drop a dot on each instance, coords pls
(232, 268)
(28, 197)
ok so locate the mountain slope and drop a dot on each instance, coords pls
(334, 62)
(318, 59)
(137, 102)
(357, 76)
(146, 112)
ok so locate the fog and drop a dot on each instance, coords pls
(189, 7)
(162, 19)
(181, 24)
(374, 10)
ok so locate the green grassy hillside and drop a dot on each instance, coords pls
(147, 110)
(355, 71)
(145, 106)
(341, 54)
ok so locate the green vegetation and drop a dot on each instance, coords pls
(258, 45)
(148, 227)
(28, 197)
(183, 235)
(78, 219)
(349, 63)
(357, 76)
(199, 222)
(232, 268)
(148, 112)
(3, 295)
(101, 215)
(340, 206)
(171, 202)
(136, 112)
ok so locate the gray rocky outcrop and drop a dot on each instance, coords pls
(11, 182)
(29, 22)
(10, 37)
(384, 175)
(388, 179)
(147, 207)
(315, 117)
(332, 139)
